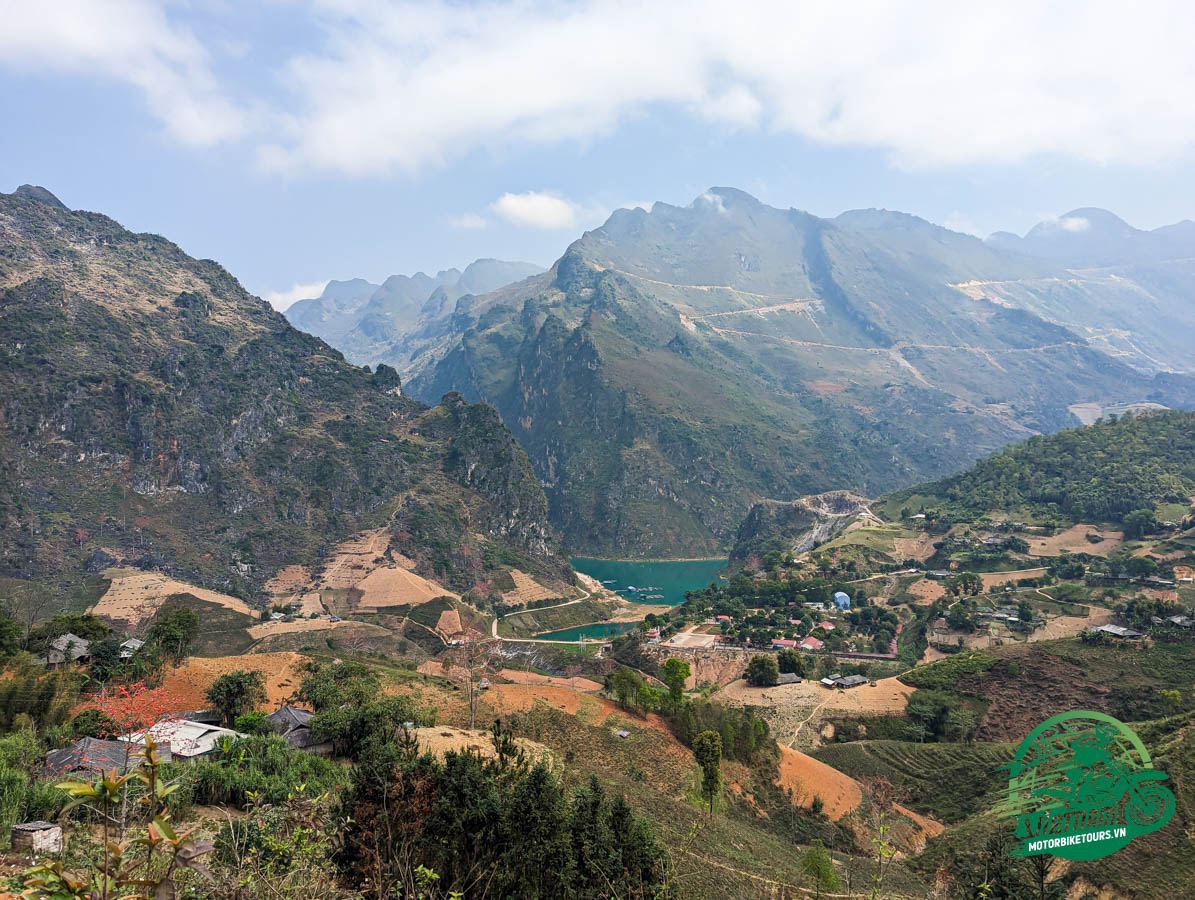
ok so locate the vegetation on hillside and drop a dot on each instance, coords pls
(1117, 470)
(156, 414)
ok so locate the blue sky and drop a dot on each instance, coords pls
(300, 140)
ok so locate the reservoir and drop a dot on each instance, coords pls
(598, 630)
(663, 582)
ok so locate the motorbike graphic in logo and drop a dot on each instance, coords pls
(1081, 786)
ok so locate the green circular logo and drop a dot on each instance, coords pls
(1081, 786)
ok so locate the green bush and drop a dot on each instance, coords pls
(44, 800)
(263, 765)
(945, 673)
(13, 783)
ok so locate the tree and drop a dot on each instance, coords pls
(472, 655)
(172, 631)
(674, 674)
(1139, 523)
(707, 749)
(1024, 611)
(626, 683)
(791, 662)
(960, 723)
(762, 671)
(236, 693)
(819, 868)
(1140, 566)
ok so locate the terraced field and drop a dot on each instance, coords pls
(948, 782)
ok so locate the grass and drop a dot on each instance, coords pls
(947, 782)
(945, 673)
(223, 631)
(536, 621)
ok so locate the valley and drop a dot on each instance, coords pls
(228, 502)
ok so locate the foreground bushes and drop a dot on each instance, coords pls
(264, 766)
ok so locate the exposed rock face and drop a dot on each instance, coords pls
(795, 527)
(146, 396)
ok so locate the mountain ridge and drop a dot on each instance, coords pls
(677, 364)
(157, 412)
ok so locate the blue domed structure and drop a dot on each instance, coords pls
(842, 600)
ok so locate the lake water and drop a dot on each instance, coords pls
(670, 578)
(600, 630)
(665, 582)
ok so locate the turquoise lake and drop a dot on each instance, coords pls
(600, 630)
(669, 579)
(663, 583)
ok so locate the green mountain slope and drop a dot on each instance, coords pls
(1099, 473)
(676, 366)
(155, 412)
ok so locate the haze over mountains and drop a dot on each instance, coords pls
(372, 323)
(676, 365)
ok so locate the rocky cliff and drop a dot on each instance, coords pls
(156, 412)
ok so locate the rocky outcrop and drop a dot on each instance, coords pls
(151, 403)
(797, 526)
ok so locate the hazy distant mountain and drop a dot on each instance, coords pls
(332, 313)
(364, 321)
(1129, 292)
(676, 365)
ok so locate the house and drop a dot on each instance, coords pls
(292, 723)
(1118, 631)
(917, 516)
(844, 681)
(64, 649)
(187, 740)
(984, 611)
(93, 755)
(937, 575)
(1159, 582)
(130, 647)
(782, 643)
(825, 626)
(721, 619)
(788, 678)
(811, 643)
(1180, 621)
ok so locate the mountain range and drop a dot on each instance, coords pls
(372, 323)
(675, 366)
(156, 414)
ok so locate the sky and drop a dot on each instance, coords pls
(296, 141)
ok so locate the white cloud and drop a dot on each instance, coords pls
(282, 300)
(468, 221)
(398, 87)
(127, 41)
(708, 198)
(394, 87)
(537, 209)
(1073, 224)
